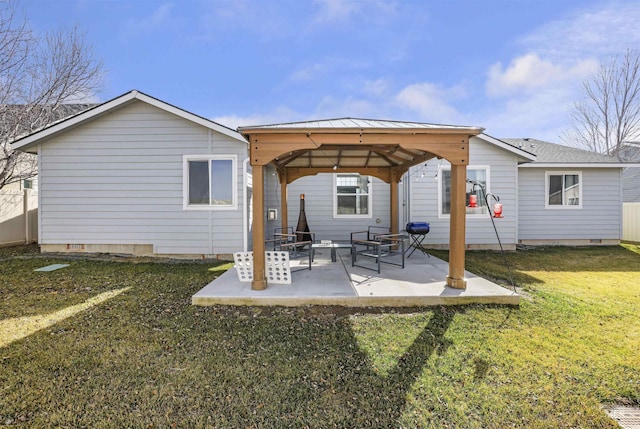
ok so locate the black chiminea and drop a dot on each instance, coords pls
(302, 230)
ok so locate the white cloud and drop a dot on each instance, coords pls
(332, 107)
(161, 18)
(367, 12)
(279, 115)
(376, 88)
(533, 94)
(542, 115)
(336, 10)
(309, 73)
(530, 72)
(433, 103)
(600, 31)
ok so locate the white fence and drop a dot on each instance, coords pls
(631, 222)
(18, 217)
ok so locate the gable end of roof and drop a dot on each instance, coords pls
(527, 156)
(31, 140)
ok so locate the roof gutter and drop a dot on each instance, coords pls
(578, 165)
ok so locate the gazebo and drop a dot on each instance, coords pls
(383, 149)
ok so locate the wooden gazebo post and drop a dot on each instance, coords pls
(259, 278)
(394, 200)
(456, 279)
(284, 207)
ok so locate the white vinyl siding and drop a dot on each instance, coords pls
(119, 180)
(318, 192)
(599, 219)
(424, 185)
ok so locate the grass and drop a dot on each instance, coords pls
(137, 354)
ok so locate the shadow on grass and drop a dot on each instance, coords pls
(324, 378)
(224, 367)
(382, 400)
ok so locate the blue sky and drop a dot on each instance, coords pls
(511, 66)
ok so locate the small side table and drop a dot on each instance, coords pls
(333, 245)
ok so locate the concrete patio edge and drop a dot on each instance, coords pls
(420, 284)
(358, 301)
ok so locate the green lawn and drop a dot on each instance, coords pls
(117, 344)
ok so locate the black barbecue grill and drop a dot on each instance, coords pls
(417, 233)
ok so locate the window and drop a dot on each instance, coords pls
(352, 195)
(477, 175)
(563, 189)
(209, 182)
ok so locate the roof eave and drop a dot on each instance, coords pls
(472, 131)
(528, 156)
(578, 165)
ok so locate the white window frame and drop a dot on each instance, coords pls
(487, 169)
(369, 215)
(546, 190)
(209, 158)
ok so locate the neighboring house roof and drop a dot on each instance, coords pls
(555, 155)
(631, 176)
(631, 185)
(630, 151)
(355, 124)
(29, 142)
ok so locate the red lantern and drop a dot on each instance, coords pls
(497, 210)
(473, 201)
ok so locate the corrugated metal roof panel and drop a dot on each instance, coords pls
(354, 123)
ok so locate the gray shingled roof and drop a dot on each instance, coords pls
(355, 123)
(552, 153)
(630, 151)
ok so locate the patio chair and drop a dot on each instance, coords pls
(377, 243)
(287, 241)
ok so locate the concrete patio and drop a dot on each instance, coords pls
(420, 283)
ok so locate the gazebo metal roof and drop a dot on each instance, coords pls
(343, 124)
(371, 146)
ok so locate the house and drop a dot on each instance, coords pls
(115, 178)
(138, 175)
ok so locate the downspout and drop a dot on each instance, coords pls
(40, 179)
(621, 221)
(406, 183)
(517, 173)
(245, 206)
